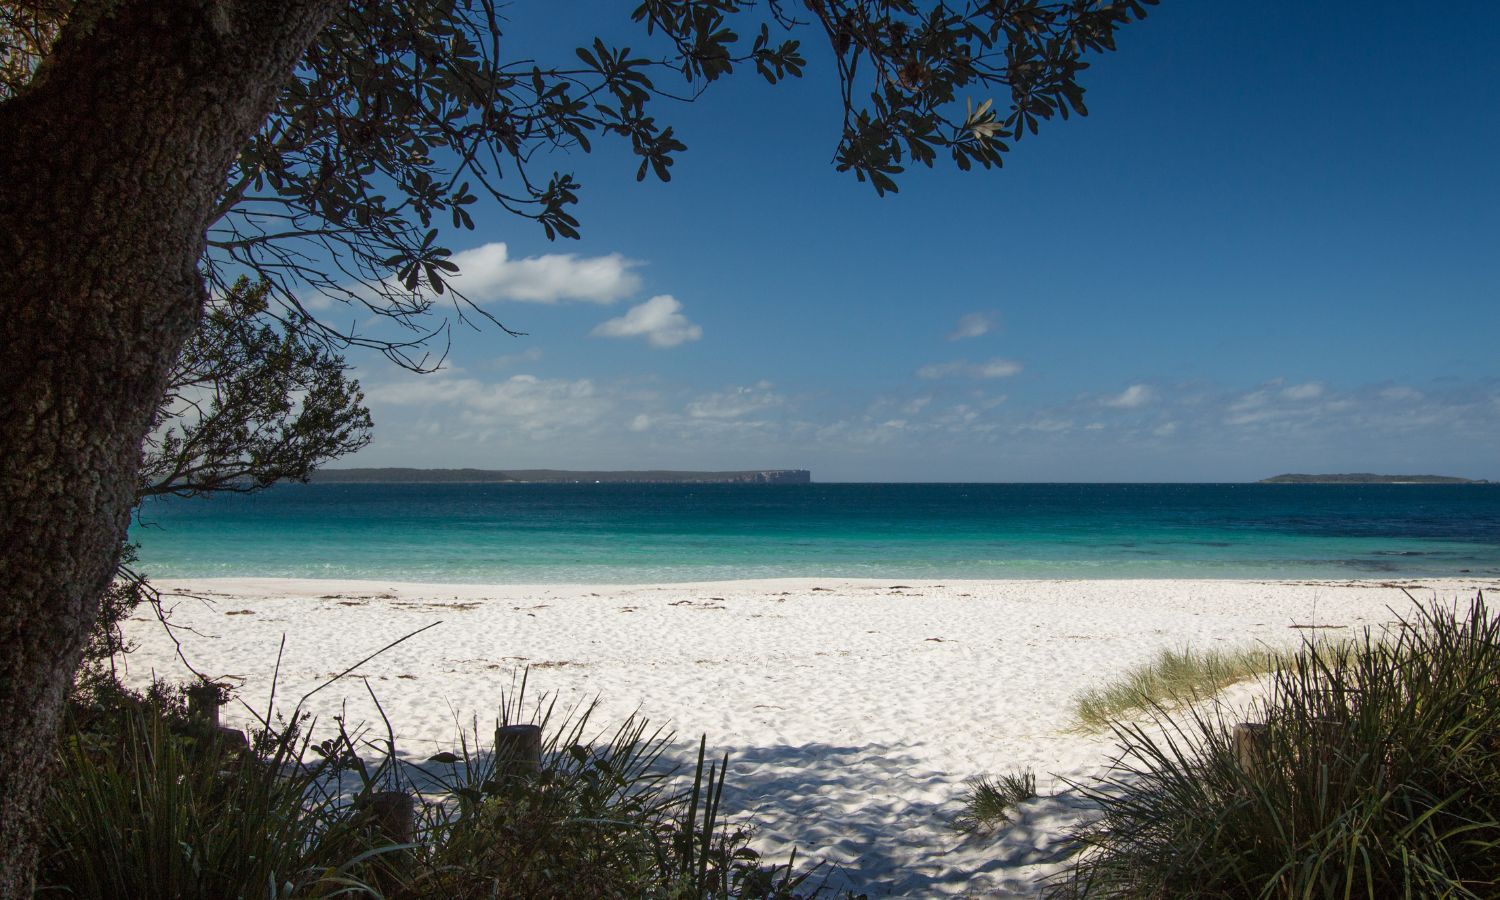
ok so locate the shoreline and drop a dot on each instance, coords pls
(296, 585)
(853, 710)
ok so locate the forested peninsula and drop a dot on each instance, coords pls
(1367, 478)
(555, 476)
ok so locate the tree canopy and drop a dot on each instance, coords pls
(250, 403)
(403, 115)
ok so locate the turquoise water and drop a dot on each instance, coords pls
(646, 533)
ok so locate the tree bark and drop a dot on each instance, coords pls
(110, 162)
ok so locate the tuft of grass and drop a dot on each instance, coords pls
(1376, 774)
(150, 803)
(988, 801)
(1173, 678)
(607, 813)
(145, 804)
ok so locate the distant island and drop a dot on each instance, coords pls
(555, 476)
(1367, 478)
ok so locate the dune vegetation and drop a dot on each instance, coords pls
(1173, 677)
(152, 800)
(1375, 773)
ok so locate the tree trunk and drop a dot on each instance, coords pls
(110, 162)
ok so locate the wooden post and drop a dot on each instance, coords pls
(518, 749)
(204, 700)
(1250, 747)
(393, 816)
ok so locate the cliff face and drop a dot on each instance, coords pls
(555, 476)
(782, 476)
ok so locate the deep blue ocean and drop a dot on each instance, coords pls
(521, 533)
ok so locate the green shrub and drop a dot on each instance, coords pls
(988, 801)
(150, 803)
(1377, 775)
(604, 816)
(147, 804)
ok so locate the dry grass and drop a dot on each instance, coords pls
(1175, 677)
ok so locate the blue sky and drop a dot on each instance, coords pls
(1272, 246)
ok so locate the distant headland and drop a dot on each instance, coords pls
(555, 476)
(1367, 478)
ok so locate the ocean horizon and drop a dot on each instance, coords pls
(649, 533)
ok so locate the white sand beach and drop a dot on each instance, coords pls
(853, 710)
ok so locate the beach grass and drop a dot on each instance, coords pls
(603, 814)
(147, 803)
(1172, 678)
(1375, 773)
(152, 801)
(988, 801)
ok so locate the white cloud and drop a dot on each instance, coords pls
(1165, 430)
(1400, 393)
(941, 370)
(1311, 390)
(735, 402)
(487, 274)
(1047, 425)
(996, 368)
(507, 360)
(962, 368)
(528, 404)
(658, 320)
(1133, 397)
(1273, 403)
(973, 325)
(641, 422)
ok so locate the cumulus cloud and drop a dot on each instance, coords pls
(1269, 404)
(525, 403)
(941, 370)
(973, 325)
(996, 368)
(1400, 393)
(487, 274)
(735, 402)
(1133, 397)
(1047, 425)
(1311, 390)
(658, 320)
(962, 368)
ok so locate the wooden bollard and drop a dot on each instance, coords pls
(393, 816)
(204, 700)
(518, 748)
(1250, 747)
